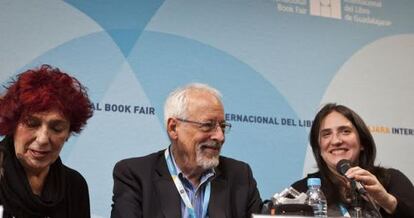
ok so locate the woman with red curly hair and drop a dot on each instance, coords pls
(38, 113)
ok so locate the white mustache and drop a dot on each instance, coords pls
(210, 144)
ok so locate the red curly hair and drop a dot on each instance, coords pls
(44, 89)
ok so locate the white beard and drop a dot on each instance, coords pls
(205, 162)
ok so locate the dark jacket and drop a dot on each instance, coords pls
(143, 188)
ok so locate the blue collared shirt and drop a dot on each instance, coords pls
(195, 194)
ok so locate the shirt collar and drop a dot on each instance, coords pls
(208, 174)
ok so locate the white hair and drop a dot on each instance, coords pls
(177, 100)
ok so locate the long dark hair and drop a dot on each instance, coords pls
(366, 157)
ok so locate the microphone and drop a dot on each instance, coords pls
(342, 166)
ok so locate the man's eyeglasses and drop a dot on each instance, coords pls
(209, 126)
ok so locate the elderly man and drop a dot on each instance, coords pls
(189, 178)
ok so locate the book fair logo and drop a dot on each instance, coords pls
(326, 8)
(367, 12)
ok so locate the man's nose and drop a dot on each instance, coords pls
(218, 134)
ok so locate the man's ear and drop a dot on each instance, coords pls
(172, 128)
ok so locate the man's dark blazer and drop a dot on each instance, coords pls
(143, 188)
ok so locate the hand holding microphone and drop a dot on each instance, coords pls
(342, 167)
(372, 188)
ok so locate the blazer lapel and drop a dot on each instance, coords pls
(219, 199)
(167, 192)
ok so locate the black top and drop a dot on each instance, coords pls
(398, 185)
(65, 192)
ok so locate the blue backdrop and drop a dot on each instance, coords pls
(276, 60)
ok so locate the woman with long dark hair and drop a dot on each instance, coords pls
(338, 133)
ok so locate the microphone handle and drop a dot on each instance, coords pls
(360, 188)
